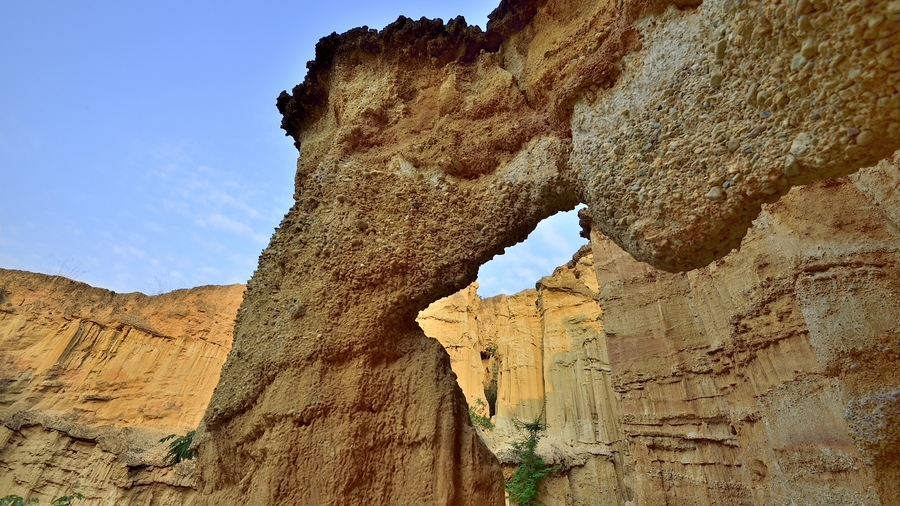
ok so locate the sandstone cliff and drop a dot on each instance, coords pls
(541, 354)
(768, 377)
(90, 380)
(426, 148)
(765, 378)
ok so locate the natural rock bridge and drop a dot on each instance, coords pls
(428, 148)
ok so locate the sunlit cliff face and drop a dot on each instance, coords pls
(428, 148)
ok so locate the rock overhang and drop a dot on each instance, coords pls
(654, 102)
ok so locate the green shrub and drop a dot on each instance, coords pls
(523, 485)
(15, 500)
(180, 448)
(480, 420)
(66, 500)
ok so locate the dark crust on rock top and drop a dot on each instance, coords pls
(428, 40)
(425, 39)
(511, 16)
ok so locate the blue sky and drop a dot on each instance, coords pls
(140, 147)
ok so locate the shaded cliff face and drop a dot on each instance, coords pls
(770, 374)
(90, 380)
(427, 148)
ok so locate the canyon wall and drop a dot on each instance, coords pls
(91, 380)
(768, 377)
(426, 148)
(541, 355)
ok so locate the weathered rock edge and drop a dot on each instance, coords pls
(419, 162)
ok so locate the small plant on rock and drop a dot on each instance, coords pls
(15, 500)
(480, 420)
(66, 500)
(180, 448)
(523, 485)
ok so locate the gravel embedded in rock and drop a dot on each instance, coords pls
(715, 193)
(790, 166)
(720, 49)
(865, 138)
(810, 48)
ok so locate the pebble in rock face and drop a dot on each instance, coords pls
(720, 49)
(715, 193)
(790, 166)
(865, 138)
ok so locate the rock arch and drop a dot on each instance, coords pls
(427, 148)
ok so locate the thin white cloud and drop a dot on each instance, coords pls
(154, 227)
(209, 272)
(211, 199)
(214, 224)
(212, 246)
(129, 252)
(138, 238)
(222, 222)
(211, 191)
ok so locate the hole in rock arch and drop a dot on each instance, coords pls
(551, 244)
(454, 321)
